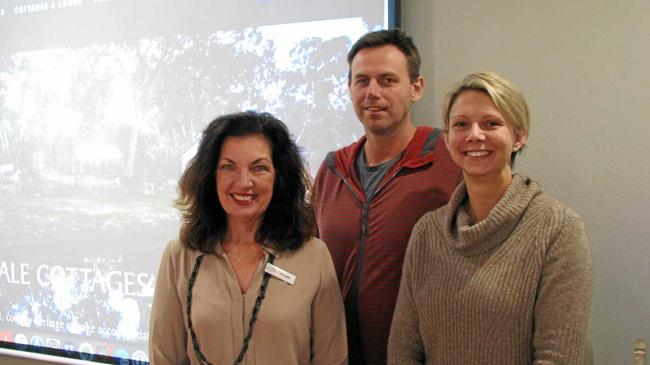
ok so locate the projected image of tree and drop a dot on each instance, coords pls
(93, 140)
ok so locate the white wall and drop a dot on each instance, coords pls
(584, 66)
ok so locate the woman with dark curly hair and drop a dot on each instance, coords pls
(247, 281)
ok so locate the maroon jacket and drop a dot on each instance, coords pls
(367, 240)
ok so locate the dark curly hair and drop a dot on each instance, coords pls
(287, 222)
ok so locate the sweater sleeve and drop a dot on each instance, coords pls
(328, 332)
(404, 342)
(167, 334)
(564, 297)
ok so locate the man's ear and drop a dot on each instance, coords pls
(417, 89)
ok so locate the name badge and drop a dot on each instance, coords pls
(283, 275)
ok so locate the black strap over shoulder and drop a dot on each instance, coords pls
(256, 308)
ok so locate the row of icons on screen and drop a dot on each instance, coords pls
(85, 349)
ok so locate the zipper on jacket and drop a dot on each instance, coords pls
(362, 250)
(386, 182)
(356, 284)
(364, 228)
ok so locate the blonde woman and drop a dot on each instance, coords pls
(502, 273)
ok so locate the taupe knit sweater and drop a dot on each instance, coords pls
(514, 288)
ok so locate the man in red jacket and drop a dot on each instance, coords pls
(368, 195)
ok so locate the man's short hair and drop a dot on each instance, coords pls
(395, 37)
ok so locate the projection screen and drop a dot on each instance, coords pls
(101, 104)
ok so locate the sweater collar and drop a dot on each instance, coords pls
(472, 239)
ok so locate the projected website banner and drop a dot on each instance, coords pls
(94, 134)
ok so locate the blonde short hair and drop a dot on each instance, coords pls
(507, 98)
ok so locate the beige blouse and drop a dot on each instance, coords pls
(303, 323)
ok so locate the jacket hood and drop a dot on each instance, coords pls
(416, 153)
